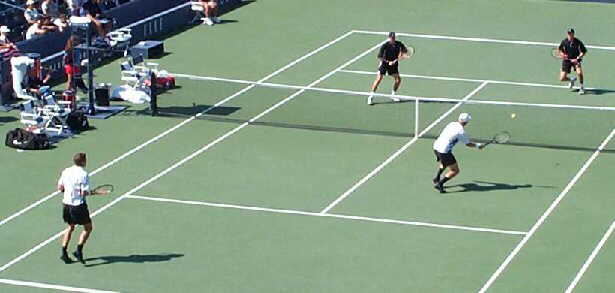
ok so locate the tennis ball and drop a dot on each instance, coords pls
(513, 115)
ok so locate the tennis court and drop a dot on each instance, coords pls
(268, 172)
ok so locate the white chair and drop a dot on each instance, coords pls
(120, 39)
(30, 115)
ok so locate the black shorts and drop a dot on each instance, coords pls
(445, 159)
(567, 66)
(385, 68)
(76, 215)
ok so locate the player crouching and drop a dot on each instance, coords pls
(443, 148)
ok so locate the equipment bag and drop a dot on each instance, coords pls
(25, 140)
(77, 121)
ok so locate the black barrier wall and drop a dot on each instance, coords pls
(148, 19)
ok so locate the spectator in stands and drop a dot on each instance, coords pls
(51, 9)
(5, 43)
(210, 8)
(31, 13)
(108, 4)
(42, 26)
(94, 13)
(76, 7)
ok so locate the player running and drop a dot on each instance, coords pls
(572, 51)
(389, 55)
(443, 148)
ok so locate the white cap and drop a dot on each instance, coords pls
(5, 29)
(465, 117)
(30, 2)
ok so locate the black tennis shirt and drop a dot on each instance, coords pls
(572, 48)
(390, 51)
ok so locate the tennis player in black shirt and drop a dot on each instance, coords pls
(572, 51)
(389, 55)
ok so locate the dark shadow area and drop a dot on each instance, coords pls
(598, 92)
(7, 119)
(481, 186)
(134, 258)
(185, 112)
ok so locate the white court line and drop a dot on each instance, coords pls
(402, 97)
(447, 78)
(52, 286)
(482, 40)
(138, 148)
(591, 258)
(544, 216)
(313, 214)
(401, 150)
(188, 158)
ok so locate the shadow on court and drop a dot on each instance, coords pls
(481, 186)
(598, 92)
(134, 258)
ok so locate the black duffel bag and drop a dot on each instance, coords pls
(77, 121)
(24, 140)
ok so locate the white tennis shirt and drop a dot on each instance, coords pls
(450, 136)
(75, 180)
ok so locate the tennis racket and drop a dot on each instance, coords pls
(406, 55)
(557, 54)
(103, 189)
(500, 138)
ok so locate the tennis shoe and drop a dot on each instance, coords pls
(66, 259)
(208, 21)
(79, 256)
(581, 91)
(370, 100)
(571, 83)
(394, 98)
(439, 187)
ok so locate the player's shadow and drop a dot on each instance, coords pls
(133, 258)
(598, 92)
(482, 186)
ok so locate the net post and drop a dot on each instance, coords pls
(416, 117)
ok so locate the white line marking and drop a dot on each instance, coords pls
(401, 150)
(591, 258)
(186, 159)
(446, 78)
(544, 216)
(482, 40)
(313, 214)
(136, 149)
(52, 286)
(403, 97)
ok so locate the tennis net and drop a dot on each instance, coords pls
(533, 125)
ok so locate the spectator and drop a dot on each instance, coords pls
(108, 4)
(31, 13)
(5, 43)
(51, 9)
(210, 8)
(40, 27)
(76, 7)
(94, 13)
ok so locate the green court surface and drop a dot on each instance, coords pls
(268, 172)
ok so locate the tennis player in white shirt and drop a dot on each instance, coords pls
(453, 133)
(75, 184)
